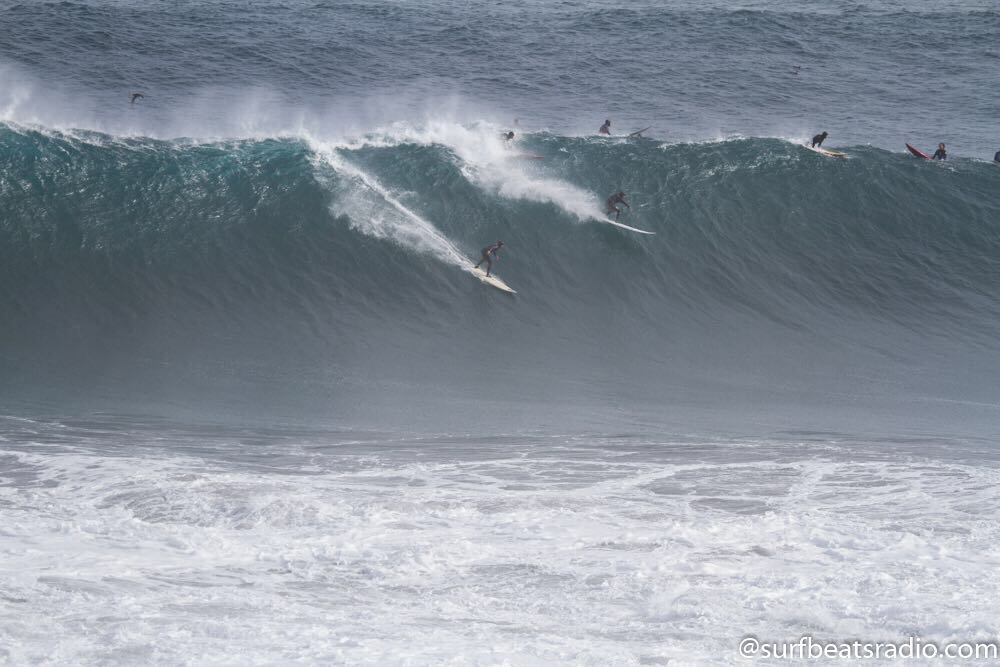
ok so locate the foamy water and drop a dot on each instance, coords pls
(277, 233)
(186, 546)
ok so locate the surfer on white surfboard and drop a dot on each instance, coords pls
(487, 251)
(613, 201)
(818, 140)
(940, 153)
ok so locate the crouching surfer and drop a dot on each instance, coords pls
(613, 201)
(487, 252)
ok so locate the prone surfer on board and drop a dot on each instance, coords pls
(606, 128)
(940, 154)
(613, 201)
(487, 251)
(818, 139)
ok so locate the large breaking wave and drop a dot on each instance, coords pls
(307, 264)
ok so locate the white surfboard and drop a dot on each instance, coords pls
(618, 224)
(491, 280)
(824, 151)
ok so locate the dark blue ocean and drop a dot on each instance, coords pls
(255, 409)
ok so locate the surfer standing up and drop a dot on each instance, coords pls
(487, 251)
(613, 201)
(606, 128)
(939, 154)
(818, 139)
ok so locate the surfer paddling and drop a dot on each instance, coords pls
(818, 140)
(606, 128)
(613, 201)
(940, 153)
(487, 251)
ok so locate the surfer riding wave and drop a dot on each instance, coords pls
(487, 252)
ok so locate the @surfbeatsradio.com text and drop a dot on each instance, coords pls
(808, 648)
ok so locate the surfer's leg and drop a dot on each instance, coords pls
(489, 266)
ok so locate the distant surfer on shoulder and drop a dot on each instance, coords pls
(487, 251)
(818, 139)
(940, 154)
(606, 128)
(613, 201)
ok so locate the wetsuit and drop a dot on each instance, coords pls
(818, 140)
(605, 129)
(613, 201)
(996, 158)
(487, 251)
(939, 154)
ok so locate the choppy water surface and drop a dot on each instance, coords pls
(257, 410)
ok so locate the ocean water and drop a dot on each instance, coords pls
(254, 409)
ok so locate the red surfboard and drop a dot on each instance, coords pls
(918, 152)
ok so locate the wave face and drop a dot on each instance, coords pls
(292, 271)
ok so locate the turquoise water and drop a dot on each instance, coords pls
(254, 409)
(329, 278)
